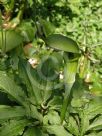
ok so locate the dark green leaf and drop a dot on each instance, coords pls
(10, 87)
(61, 42)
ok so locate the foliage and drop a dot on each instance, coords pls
(50, 68)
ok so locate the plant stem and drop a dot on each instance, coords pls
(66, 101)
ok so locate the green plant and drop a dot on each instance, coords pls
(43, 73)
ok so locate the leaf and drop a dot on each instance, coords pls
(84, 65)
(48, 71)
(69, 79)
(94, 108)
(92, 134)
(10, 87)
(30, 2)
(23, 75)
(70, 72)
(14, 127)
(96, 124)
(34, 131)
(4, 99)
(73, 126)
(99, 134)
(57, 130)
(11, 39)
(52, 118)
(55, 103)
(61, 42)
(27, 31)
(48, 28)
(32, 75)
(0, 19)
(35, 114)
(84, 123)
(7, 112)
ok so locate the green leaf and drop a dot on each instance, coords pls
(27, 31)
(99, 134)
(51, 118)
(34, 131)
(93, 134)
(55, 103)
(34, 113)
(32, 75)
(70, 71)
(48, 28)
(73, 126)
(61, 42)
(25, 79)
(11, 39)
(7, 112)
(94, 108)
(10, 87)
(14, 127)
(57, 130)
(96, 124)
(84, 123)
(30, 2)
(0, 19)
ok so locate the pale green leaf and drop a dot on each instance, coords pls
(96, 125)
(70, 71)
(11, 39)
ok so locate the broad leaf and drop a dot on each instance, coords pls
(97, 124)
(57, 130)
(7, 112)
(93, 134)
(27, 31)
(32, 75)
(14, 127)
(47, 27)
(34, 113)
(73, 126)
(52, 118)
(34, 131)
(55, 103)
(9, 40)
(9, 86)
(25, 79)
(84, 124)
(60, 42)
(94, 108)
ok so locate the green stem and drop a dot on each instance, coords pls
(70, 70)
(20, 13)
(66, 101)
(12, 5)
